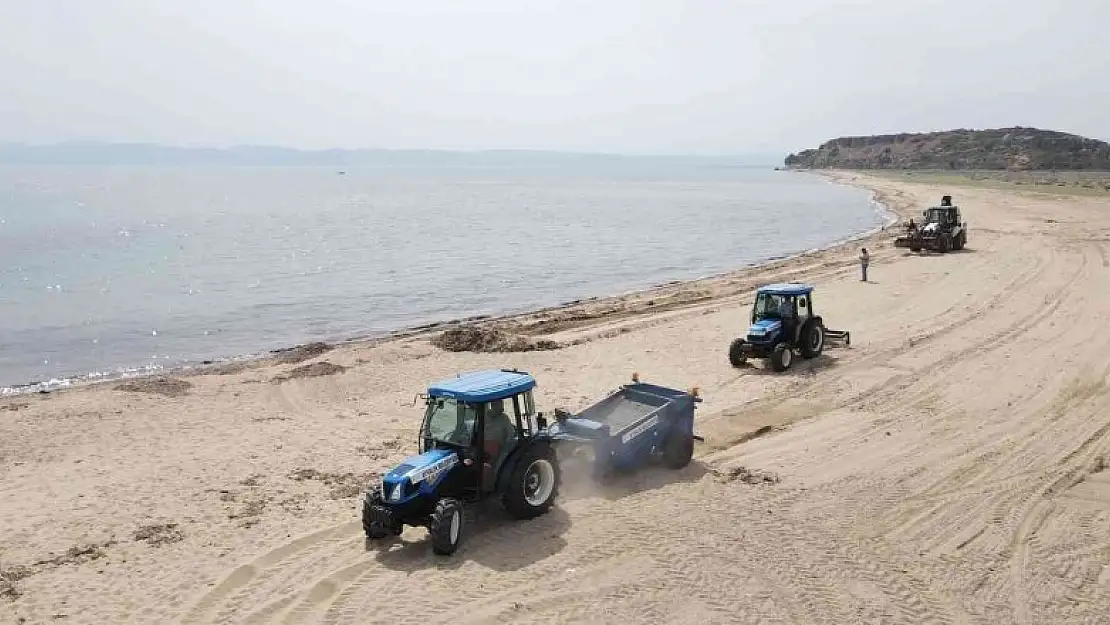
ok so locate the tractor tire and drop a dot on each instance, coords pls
(678, 449)
(813, 340)
(446, 526)
(781, 358)
(736, 354)
(961, 240)
(944, 244)
(533, 483)
(377, 522)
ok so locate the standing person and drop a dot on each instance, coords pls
(864, 260)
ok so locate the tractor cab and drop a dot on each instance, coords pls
(779, 311)
(481, 417)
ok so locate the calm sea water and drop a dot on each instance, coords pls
(105, 270)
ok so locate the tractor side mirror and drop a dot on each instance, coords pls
(541, 421)
(802, 302)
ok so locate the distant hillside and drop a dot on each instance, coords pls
(997, 149)
(93, 153)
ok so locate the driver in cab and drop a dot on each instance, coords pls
(499, 431)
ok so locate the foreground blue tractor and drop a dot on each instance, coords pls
(783, 321)
(480, 438)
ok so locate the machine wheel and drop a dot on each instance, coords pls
(782, 357)
(736, 354)
(446, 526)
(944, 244)
(377, 522)
(961, 240)
(813, 340)
(678, 449)
(533, 484)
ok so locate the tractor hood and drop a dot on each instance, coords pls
(764, 327)
(426, 466)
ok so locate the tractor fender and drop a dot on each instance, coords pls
(509, 465)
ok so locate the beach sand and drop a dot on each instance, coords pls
(946, 468)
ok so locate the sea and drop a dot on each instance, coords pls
(121, 270)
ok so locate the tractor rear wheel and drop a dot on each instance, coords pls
(782, 357)
(813, 340)
(736, 354)
(961, 240)
(533, 483)
(446, 526)
(678, 449)
(377, 521)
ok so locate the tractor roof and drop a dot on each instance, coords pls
(482, 386)
(787, 288)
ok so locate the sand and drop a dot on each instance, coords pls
(947, 468)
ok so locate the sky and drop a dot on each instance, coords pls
(629, 76)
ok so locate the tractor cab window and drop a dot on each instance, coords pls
(448, 421)
(803, 307)
(768, 305)
(935, 216)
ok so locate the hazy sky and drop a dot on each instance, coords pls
(660, 76)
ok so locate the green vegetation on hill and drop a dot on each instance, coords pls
(995, 149)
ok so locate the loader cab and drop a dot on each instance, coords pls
(946, 216)
(483, 416)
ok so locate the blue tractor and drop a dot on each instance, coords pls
(783, 321)
(480, 438)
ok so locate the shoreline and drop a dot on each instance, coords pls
(886, 212)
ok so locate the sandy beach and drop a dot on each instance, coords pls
(946, 468)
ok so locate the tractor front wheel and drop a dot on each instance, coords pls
(533, 483)
(736, 354)
(678, 449)
(781, 358)
(377, 521)
(813, 340)
(446, 526)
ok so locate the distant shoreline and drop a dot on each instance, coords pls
(888, 215)
(137, 154)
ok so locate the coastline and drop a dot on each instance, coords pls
(886, 212)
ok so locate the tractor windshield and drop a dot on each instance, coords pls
(935, 216)
(771, 306)
(448, 421)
